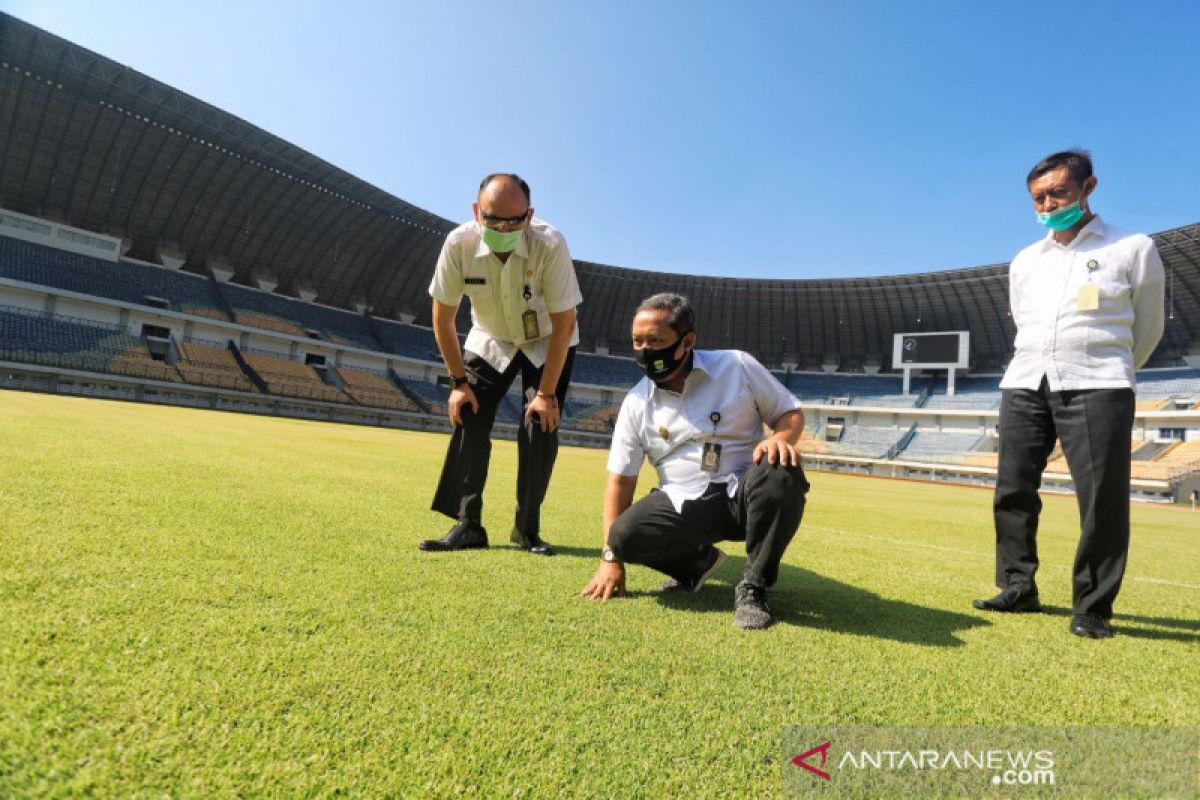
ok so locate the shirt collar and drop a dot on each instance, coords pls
(700, 363)
(482, 250)
(1094, 228)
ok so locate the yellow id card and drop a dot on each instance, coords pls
(1089, 297)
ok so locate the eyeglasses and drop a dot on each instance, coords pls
(503, 224)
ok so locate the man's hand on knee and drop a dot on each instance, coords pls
(546, 408)
(609, 581)
(460, 398)
(777, 451)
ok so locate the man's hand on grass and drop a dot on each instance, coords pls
(609, 581)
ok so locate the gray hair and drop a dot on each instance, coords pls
(683, 317)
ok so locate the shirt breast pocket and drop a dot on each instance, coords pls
(481, 297)
(1114, 291)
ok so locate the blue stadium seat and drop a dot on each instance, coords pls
(34, 338)
(406, 340)
(121, 280)
(605, 370)
(866, 442)
(939, 446)
(1164, 384)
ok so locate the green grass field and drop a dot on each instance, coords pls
(202, 604)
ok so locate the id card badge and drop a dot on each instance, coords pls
(530, 322)
(710, 459)
(1089, 297)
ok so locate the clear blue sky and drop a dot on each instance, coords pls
(765, 139)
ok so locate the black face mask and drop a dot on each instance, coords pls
(658, 364)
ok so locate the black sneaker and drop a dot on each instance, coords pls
(750, 610)
(466, 535)
(707, 564)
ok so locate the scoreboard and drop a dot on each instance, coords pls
(943, 350)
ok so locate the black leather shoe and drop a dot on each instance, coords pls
(1091, 626)
(1012, 600)
(531, 542)
(466, 535)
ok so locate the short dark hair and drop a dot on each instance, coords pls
(513, 176)
(1078, 163)
(683, 317)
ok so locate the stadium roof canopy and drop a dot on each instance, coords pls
(94, 144)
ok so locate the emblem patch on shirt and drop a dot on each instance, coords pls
(665, 434)
(475, 281)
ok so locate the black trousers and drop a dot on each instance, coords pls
(1095, 426)
(460, 490)
(764, 512)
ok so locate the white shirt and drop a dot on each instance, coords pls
(1080, 348)
(540, 261)
(670, 429)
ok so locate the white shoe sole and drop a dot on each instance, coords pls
(710, 571)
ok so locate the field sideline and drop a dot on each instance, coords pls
(204, 604)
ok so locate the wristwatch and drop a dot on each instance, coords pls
(608, 555)
(457, 382)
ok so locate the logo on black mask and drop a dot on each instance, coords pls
(658, 364)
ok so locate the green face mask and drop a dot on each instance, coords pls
(501, 242)
(1063, 218)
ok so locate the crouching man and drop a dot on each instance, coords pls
(698, 416)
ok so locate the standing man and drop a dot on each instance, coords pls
(518, 273)
(1087, 301)
(698, 416)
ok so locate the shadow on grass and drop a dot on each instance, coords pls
(804, 598)
(1121, 625)
(592, 553)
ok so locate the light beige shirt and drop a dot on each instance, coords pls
(1075, 345)
(541, 261)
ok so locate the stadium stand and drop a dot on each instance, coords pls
(823, 388)
(973, 401)
(406, 340)
(1179, 458)
(275, 312)
(211, 364)
(1168, 384)
(135, 360)
(605, 370)
(122, 280)
(985, 459)
(886, 400)
(291, 378)
(810, 442)
(979, 393)
(589, 416)
(865, 441)
(372, 389)
(430, 397)
(509, 409)
(944, 447)
(36, 338)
